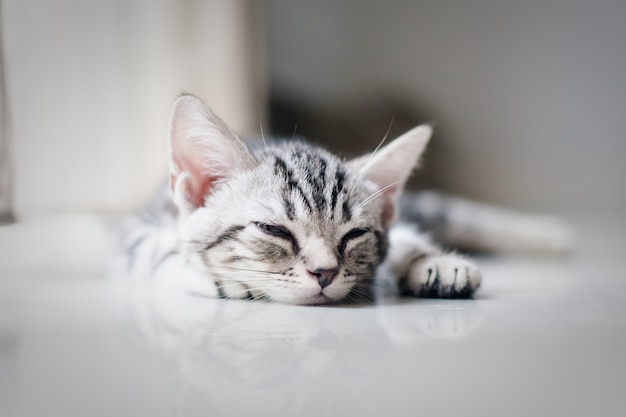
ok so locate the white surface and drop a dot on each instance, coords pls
(545, 337)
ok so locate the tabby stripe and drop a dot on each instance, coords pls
(337, 188)
(269, 251)
(235, 258)
(290, 209)
(347, 212)
(247, 288)
(317, 183)
(280, 168)
(229, 234)
(220, 290)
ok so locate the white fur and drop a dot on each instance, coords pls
(214, 244)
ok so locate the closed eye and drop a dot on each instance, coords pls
(355, 233)
(277, 231)
(351, 235)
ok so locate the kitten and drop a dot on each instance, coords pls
(290, 222)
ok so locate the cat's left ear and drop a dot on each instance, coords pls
(390, 167)
(204, 152)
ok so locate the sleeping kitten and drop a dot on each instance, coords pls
(290, 222)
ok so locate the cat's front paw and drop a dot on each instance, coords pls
(442, 276)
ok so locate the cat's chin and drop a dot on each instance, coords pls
(319, 299)
(313, 300)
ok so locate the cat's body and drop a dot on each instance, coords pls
(292, 223)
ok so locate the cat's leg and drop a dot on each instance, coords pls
(422, 269)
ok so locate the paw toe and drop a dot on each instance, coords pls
(446, 276)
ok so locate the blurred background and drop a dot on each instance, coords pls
(528, 98)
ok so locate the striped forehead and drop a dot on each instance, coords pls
(315, 180)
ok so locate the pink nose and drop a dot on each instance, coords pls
(324, 276)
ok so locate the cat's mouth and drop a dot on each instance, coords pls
(319, 298)
(317, 295)
(322, 295)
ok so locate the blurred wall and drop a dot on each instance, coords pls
(6, 176)
(528, 97)
(90, 84)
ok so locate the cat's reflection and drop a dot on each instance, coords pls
(235, 354)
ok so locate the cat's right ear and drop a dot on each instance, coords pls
(390, 167)
(204, 152)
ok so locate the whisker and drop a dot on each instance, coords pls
(232, 268)
(252, 281)
(242, 291)
(294, 131)
(265, 293)
(356, 295)
(261, 126)
(367, 164)
(377, 194)
(383, 140)
(234, 282)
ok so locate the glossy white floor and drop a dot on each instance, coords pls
(545, 337)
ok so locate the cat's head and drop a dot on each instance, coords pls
(289, 222)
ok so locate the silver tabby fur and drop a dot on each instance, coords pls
(287, 222)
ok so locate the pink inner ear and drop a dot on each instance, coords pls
(197, 185)
(204, 151)
(197, 192)
(388, 214)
